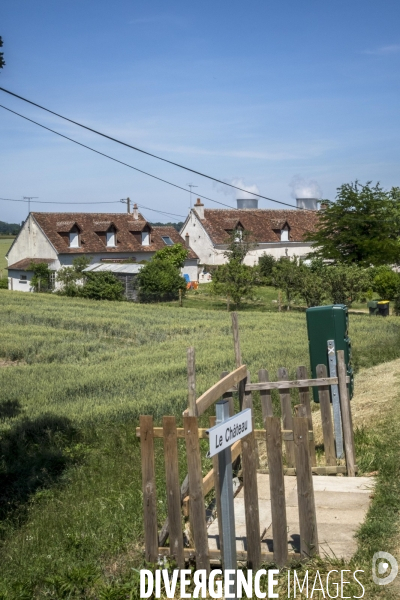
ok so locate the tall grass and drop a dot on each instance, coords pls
(70, 469)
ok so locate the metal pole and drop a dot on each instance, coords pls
(227, 515)
(337, 417)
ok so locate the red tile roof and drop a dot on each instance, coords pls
(265, 225)
(92, 228)
(24, 264)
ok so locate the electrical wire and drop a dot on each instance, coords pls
(109, 137)
(112, 158)
(64, 203)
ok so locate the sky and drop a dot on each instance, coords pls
(283, 98)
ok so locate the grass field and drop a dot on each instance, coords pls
(75, 376)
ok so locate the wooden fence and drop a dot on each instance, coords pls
(299, 459)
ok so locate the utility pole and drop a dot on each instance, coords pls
(190, 185)
(127, 201)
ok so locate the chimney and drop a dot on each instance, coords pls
(247, 203)
(199, 208)
(323, 206)
(307, 203)
(187, 241)
(135, 212)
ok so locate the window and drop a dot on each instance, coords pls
(111, 237)
(145, 238)
(74, 238)
(22, 278)
(285, 235)
(167, 240)
(238, 235)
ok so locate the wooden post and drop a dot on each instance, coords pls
(197, 509)
(228, 396)
(173, 490)
(149, 489)
(326, 418)
(305, 490)
(191, 374)
(265, 396)
(300, 411)
(346, 416)
(287, 417)
(238, 355)
(217, 492)
(250, 489)
(248, 403)
(279, 301)
(180, 297)
(304, 394)
(277, 487)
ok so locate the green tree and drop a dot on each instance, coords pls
(266, 263)
(102, 286)
(347, 283)
(311, 286)
(362, 227)
(72, 278)
(41, 277)
(286, 276)
(160, 281)
(175, 255)
(2, 63)
(387, 284)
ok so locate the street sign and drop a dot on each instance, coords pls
(226, 433)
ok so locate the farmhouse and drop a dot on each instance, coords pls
(276, 232)
(106, 238)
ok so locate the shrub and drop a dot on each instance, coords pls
(311, 286)
(102, 286)
(3, 283)
(234, 280)
(286, 276)
(266, 263)
(160, 281)
(71, 278)
(41, 277)
(387, 284)
(346, 283)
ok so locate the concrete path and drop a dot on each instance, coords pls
(341, 505)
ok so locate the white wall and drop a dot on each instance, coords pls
(190, 268)
(30, 243)
(16, 284)
(199, 240)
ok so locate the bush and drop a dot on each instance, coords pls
(266, 263)
(234, 280)
(311, 286)
(387, 284)
(102, 286)
(347, 283)
(160, 281)
(3, 283)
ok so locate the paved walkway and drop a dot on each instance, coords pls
(341, 505)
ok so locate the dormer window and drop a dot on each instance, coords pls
(145, 238)
(111, 238)
(285, 234)
(74, 241)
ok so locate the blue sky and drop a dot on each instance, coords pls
(265, 93)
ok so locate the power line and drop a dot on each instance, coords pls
(179, 187)
(235, 187)
(50, 202)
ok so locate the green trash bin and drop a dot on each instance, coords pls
(383, 308)
(373, 307)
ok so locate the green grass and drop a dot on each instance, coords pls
(5, 243)
(70, 482)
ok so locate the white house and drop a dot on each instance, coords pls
(58, 238)
(276, 232)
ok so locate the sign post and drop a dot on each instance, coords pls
(337, 416)
(227, 431)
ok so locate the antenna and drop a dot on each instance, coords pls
(190, 185)
(29, 198)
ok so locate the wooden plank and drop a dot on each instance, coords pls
(259, 434)
(287, 417)
(265, 396)
(173, 490)
(149, 489)
(304, 394)
(315, 470)
(326, 419)
(248, 403)
(294, 383)
(347, 422)
(266, 557)
(305, 490)
(228, 396)
(216, 391)
(198, 517)
(191, 375)
(277, 487)
(208, 480)
(249, 467)
(164, 531)
(238, 355)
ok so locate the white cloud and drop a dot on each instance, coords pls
(383, 50)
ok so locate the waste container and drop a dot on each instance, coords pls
(383, 308)
(373, 307)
